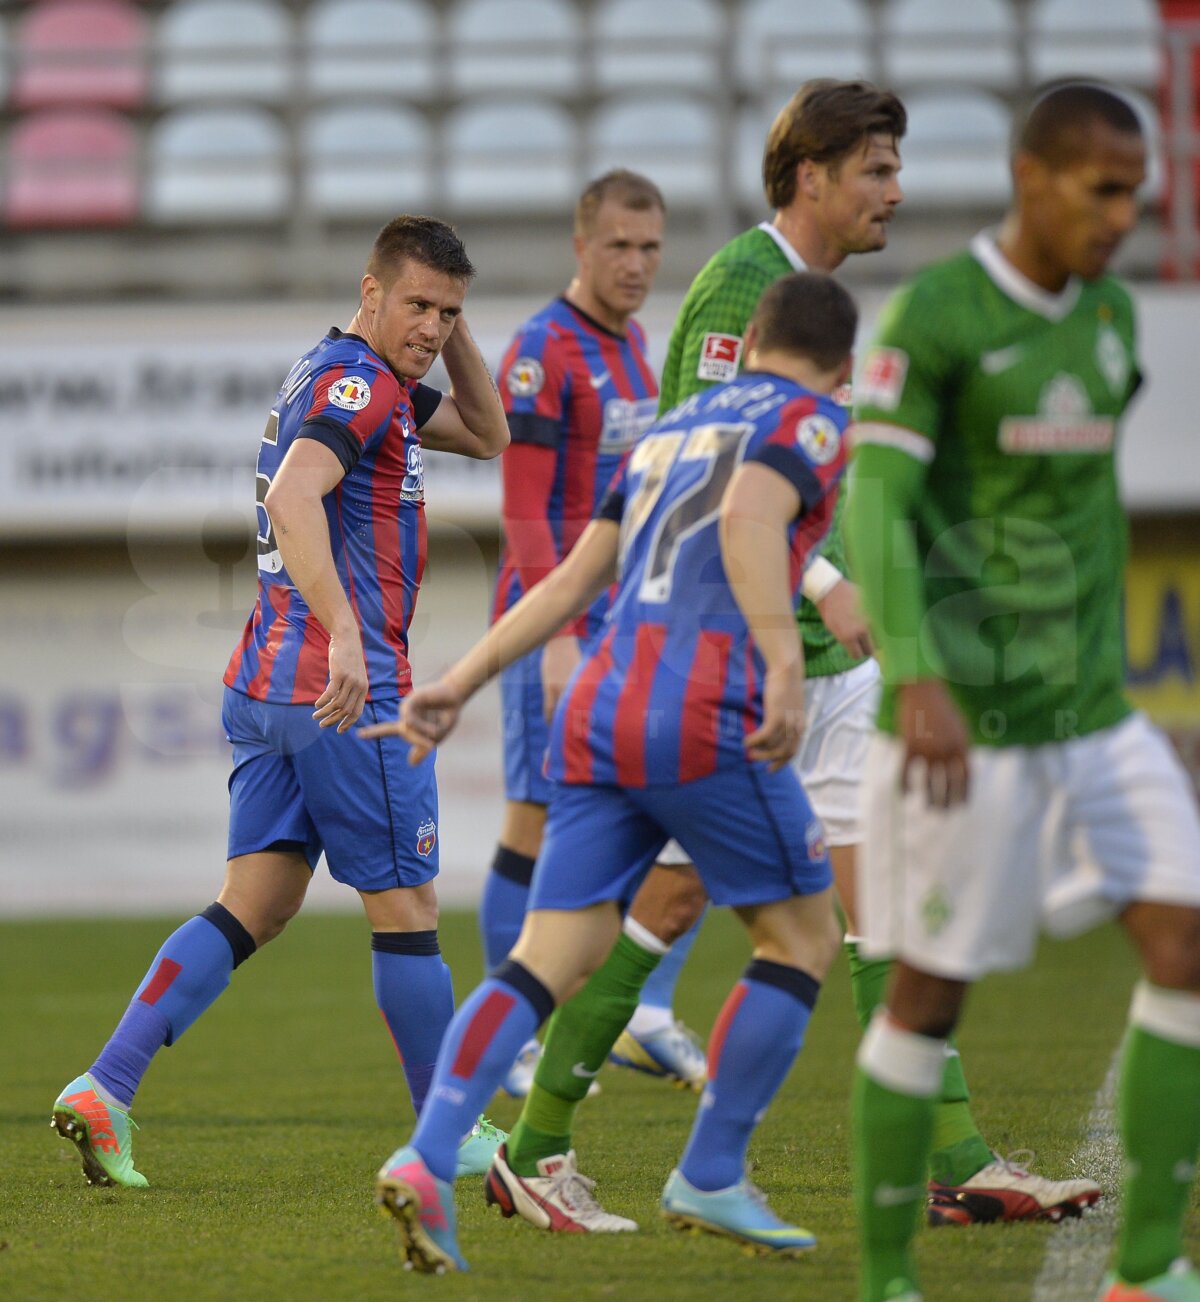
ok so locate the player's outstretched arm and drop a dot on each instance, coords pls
(297, 514)
(758, 507)
(429, 713)
(471, 419)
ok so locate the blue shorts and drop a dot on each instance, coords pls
(751, 834)
(315, 789)
(526, 732)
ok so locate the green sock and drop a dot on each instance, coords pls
(1160, 1125)
(959, 1150)
(891, 1140)
(578, 1039)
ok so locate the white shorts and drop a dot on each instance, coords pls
(1060, 836)
(839, 724)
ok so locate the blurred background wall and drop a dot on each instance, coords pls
(187, 193)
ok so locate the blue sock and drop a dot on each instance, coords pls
(188, 973)
(479, 1048)
(659, 990)
(754, 1042)
(414, 992)
(502, 907)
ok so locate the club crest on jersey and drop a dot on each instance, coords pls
(719, 357)
(820, 438)
(882, 380)
(351, 393)
(526, 376)
(814, 839)
(426, 838)
(1112, 359)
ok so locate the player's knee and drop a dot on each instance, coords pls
(681, 912)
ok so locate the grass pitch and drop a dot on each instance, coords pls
(263, 1127)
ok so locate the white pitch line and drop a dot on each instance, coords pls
(1078, 1250)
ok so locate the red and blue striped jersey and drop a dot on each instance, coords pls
(670, 687)
(577, 396)
(344, 395)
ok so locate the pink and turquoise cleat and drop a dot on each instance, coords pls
(423, 1208)
(101, 1132)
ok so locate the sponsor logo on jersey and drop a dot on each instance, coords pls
(426, 838)
(1000, 359)
(351, 393)
(526, 376)
(820, 438)
(598, 381)
(814, 839)
(719, 357)
(882, 379)
(1065, 423)
(625, 420)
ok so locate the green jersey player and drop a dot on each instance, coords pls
(1010, 784)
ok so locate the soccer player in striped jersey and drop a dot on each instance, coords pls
(578, 391)
(341, 548)
(1011, 784)
(680, 720)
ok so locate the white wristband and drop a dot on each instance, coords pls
(820, 579)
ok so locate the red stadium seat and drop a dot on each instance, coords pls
(81, 52)
(68, 168)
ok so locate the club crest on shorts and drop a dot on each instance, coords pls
(351, 393)
(426, 838)
(814, 839)
(525, 377)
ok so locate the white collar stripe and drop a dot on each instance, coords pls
(1020, 288)
(798, 263)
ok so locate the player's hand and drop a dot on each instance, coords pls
(936, 743)
(842, 615)
(778, 737)
(427, 716)
(342, 701)
(559, 658)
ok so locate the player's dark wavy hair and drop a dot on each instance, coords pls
(418, 239)
(807, 313)
(826, 121)
(1062, 114)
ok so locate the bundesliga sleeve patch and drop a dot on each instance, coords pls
(882, 379)
(719, 357)
(526, 376)
(820, 438)
(351, 393)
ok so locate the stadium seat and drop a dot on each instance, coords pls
(71, 168)
(508, 157)
(525, 46)
(370, 47)
(218, 164)
(956, 150)
(670, 44)
(931, 41)
(670, 139)
(80, 52)
(1119, 40)
(782, 42)
(393, 142)
(218, 49)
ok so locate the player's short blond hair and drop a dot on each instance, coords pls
(826, 121)
(629, 189)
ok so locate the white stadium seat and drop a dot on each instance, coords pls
(956, 150)
(789, 41)
(929, 41)
(668, 44)
(526, 46)
(393, 143)
(510, 157)
(217, 164)
(370, 47)
(670, 139)
(1119, 40)
(218, 49)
